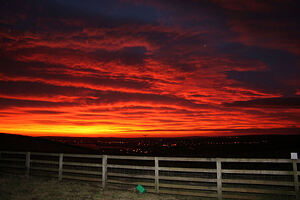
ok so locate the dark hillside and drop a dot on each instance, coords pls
(11, 142)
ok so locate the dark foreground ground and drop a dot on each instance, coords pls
(33, 188)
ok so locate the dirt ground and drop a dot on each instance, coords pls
(33, 188)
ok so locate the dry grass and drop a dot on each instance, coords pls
(33, 188)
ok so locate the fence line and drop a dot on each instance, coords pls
(162, 175)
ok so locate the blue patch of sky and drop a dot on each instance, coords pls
(115, 10)
(282, 66)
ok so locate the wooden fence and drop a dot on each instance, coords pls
(206, 178)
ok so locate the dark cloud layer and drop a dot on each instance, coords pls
(11, 103)
(283, 103)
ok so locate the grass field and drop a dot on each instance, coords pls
(33, 188)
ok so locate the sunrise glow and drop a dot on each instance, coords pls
(149, 68)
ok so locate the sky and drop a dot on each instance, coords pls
(157, 68)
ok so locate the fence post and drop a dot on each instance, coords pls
(219, 178)
(27, 164)
(60, 166)
(156, 174)
(294, 157)
(104, 171)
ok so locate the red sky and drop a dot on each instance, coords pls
(135, 68)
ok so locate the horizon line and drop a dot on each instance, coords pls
(191, 136)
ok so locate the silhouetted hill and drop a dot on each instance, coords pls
(12, 142)
(247, 146)
(252, 146)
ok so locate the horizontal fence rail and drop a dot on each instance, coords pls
(209, 178)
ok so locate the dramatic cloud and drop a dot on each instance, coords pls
(269, 102)
(164, 68)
